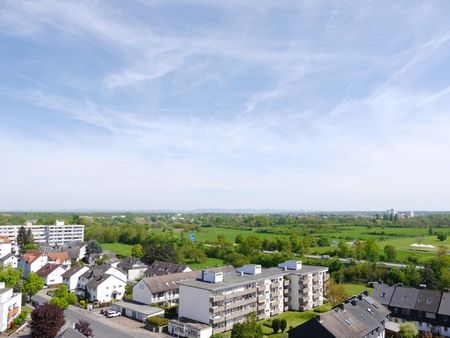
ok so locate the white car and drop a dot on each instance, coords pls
(112, 314)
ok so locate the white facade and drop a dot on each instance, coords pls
(136, 274)
(10, 306)
(54, 277)
(32, 263)
(110, 288)
(9, 260)
(72, 281)
(5, 246)
(57, 234)
(189, 330)
(142, 294)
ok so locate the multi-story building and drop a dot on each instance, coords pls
(188, 329)
(429, 310)
(10, 306)
(358, 317)
(223, 299)
(56, 234)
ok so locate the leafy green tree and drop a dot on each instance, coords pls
(46, 321)
(62, 303)
(283, 324)
(442, 236)
(372, 250)
(93, 247)
(21, 238)
(336, 293)
(249, 328)
(390, 252)
(33, 283)
(409, 330)
(137, 251)
(10, 276)
(343, 249)
(276, 325)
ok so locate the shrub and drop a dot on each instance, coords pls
(157, 321)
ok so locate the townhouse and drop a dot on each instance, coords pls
(57, 234)
(60, 258)
(7, 258)
(158, 268)
(10, 306)
(71, 276)
(222, 299)
(51, 273)
(428, 309)
(357, 317)
(133, 267)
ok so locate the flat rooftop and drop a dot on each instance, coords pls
(145, 309)
(233, 279)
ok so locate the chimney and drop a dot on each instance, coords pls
(341, 306)
(366, 292)
(360, 297)
(422, 286)
(353, 301)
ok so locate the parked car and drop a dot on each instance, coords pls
(112, 314)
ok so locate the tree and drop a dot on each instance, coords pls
(84, 327)
(390, 252)
(336, 293)
(425, 335)
(137, 251)
(33, 283)
(442, 236)
(10, 276)
(409, 330)
(275, 325)
(62, 297)
(21, 238)
(249, 328)
(29, 239)
(46, 321)
(283, 324)
(342, 249)
(61, 303)
(93, 247)
(371, 250)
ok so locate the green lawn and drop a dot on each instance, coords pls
(210, 263)
(118, 248)
(293, 318)
(355, 289)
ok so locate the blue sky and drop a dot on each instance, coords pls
(225, 104)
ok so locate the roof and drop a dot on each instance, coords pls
(355, 318)
(96, 270)
(145, 309)
(59, 256)
(100, 279)
(404, 298)
(69, 273)
(444, 307)
(428, 301)
(158, 284)
(131, 263)
(47, 269)
(4, 240)
(233, 278)
(70, 333)
(158, 268)
(32, 255)
(382, 293)
(6, 257)
(186, 321)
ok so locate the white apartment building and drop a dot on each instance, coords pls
(182, 328)
(223, 299)
(10, 306)
(56, 234)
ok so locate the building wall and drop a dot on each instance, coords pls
(104, 291)
(188, 331)
(55, 277)
(10, 308)
(117, 273)
(73, 280)
(5, 248)
(142, 294)
(135, 274)
(194, 304)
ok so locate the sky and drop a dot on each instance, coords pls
(180, 105)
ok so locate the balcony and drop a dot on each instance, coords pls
(287, 282)
(217, 298)
(241, 293)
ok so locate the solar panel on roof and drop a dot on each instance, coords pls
(349, 321)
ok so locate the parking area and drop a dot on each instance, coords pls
(124, 321)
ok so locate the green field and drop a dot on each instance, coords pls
(118, 248)
(210, 263)
(353, 289)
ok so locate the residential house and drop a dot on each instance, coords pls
(443, 328)
(61, 258)
(76, 250)
(71, 276)
(133, 267)
(161, 290)
(425, 308)
(70, 333)
(5, 246)
(52, 274)
(158, 268)
(9, 260)
(32, 261)
(222, 299)
(10, 306)
(358, 317)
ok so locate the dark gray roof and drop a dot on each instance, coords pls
(382, 293)
(99, 280)
(95, 271)
(444, 307)
(428, 301)
(353, 319)
(4, 258)
(69, 273)
(70, 333)
(158, 268)
(404, 298)
(131, 263)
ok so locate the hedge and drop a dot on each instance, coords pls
(157, 321)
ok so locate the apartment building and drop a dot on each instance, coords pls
(223, 299)
(56, 234)
(357, 317)
(10, 306)
(188, 329)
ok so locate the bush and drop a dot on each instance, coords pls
(82, 302)
(157, 321)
